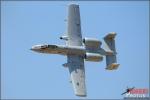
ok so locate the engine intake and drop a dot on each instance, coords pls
(93, 57)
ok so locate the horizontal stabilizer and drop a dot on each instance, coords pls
(111, 60)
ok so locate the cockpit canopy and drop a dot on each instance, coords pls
(38, 47)
(52, 46)
(48, 46)
(44, 46)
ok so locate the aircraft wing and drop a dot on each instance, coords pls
(77, 74)
(75, 62)
(74, 26)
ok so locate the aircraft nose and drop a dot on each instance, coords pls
(35, 48)
(32, 49)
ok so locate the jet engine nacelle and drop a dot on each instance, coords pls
(91, 43)
(93, 57)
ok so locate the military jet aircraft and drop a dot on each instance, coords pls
(128, 90)
(78, 49)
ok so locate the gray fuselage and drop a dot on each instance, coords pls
(64, 50)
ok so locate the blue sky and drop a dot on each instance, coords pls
(29, 75)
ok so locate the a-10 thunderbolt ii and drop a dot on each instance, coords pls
(78, 49)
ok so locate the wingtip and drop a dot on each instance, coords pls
(73, 4)
(81, 95)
